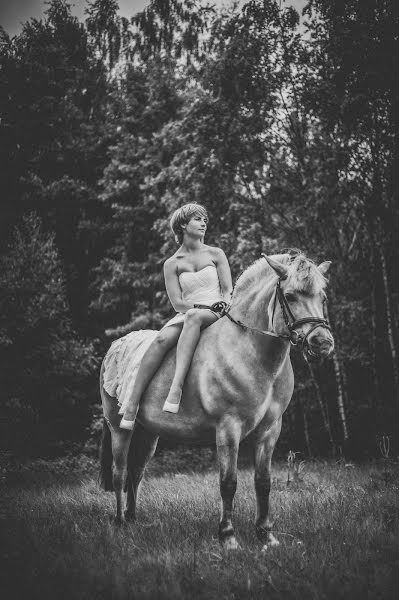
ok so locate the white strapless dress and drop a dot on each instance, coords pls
(123, 359)
(198, 287)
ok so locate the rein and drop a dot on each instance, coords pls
(254, 329)
(224, 308)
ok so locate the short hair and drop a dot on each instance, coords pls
(183, 215)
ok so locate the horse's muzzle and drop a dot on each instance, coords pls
(320, 344)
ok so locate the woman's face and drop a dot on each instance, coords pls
(196, 226)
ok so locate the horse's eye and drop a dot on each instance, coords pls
(290, 297)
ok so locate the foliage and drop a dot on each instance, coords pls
(45, 366)
(284, 125)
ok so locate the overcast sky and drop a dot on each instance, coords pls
(15, 12)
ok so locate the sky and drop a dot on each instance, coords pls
(15, 12)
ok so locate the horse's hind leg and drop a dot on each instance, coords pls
(227, 442)
(264, 446)
(120, 448)
(142, 448)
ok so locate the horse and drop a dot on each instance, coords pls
(239, 384)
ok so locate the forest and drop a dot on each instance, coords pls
(285, 125)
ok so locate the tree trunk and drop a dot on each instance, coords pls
(340, 395)
(381, 223)
(389, 320)
(341, 390)
(306, 429)
(377, 393)
(323, 410)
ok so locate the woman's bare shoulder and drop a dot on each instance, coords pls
(215, 252)
(170, 263)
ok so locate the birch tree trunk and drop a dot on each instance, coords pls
(377, 393)
(389, 319)
(340, 395)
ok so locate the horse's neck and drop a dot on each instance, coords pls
(251, 302)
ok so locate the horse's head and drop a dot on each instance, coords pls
(297, 305)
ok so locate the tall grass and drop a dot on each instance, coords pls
(338, 529)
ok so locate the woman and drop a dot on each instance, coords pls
(195, 274)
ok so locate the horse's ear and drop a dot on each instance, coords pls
(281, 270)
(324, 266)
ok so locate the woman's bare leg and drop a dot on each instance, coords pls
(195, 321)
(149, 365)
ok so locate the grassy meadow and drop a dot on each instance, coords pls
(337, 524)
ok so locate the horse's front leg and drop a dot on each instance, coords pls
(227, 442)
(264, 446)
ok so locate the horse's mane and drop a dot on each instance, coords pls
(303, 274)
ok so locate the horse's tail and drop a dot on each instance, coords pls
(106, 459)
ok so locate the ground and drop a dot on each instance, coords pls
(338, 528)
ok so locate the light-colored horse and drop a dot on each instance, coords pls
(240, 383)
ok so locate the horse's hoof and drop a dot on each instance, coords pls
(272, 542)
(115, 520)
(231, 544)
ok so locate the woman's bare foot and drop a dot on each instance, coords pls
(172, 401)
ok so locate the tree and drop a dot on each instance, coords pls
(355, 50)
(55, 135)
(109, 32)
(46, 367)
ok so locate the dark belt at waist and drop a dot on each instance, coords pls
(218, 307)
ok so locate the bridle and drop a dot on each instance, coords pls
(296, 338)
(292, 324)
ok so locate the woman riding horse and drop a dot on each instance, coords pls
(238, 385)
(195, 274)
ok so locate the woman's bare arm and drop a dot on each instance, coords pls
(224, 273)
(173, 288)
